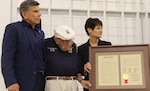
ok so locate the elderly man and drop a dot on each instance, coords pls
(62, 66)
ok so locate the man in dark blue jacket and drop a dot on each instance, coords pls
(23, 51)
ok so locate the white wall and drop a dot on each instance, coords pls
(5, 19)
(125, 21)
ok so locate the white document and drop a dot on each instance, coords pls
(108, 70)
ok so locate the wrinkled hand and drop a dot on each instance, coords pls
(87, 67)
(86, 84)
(13, 87)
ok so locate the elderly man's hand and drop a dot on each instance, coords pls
(86, 84)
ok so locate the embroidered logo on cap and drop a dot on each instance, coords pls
(67, 32)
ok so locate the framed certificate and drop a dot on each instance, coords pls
(120, 68)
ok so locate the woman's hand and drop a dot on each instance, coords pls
(87, 67)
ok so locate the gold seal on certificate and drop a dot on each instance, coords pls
(125, 78)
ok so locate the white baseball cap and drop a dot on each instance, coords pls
(64, 32)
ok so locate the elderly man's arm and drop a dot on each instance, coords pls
(86, 84)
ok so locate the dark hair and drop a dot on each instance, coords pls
(26, 4)
(92, 23)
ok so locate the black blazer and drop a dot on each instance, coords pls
(84, 53)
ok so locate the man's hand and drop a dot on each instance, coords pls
(86, 84)
(87, 67)
(13, 87)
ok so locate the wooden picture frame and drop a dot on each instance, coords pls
(120, 68)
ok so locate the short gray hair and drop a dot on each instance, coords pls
(26, 4)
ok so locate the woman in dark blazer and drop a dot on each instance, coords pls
(93, 27)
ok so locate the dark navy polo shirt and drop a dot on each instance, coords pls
(38, 40)
(61, 63)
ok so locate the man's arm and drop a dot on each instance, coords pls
(86, 84)
(9, 47)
